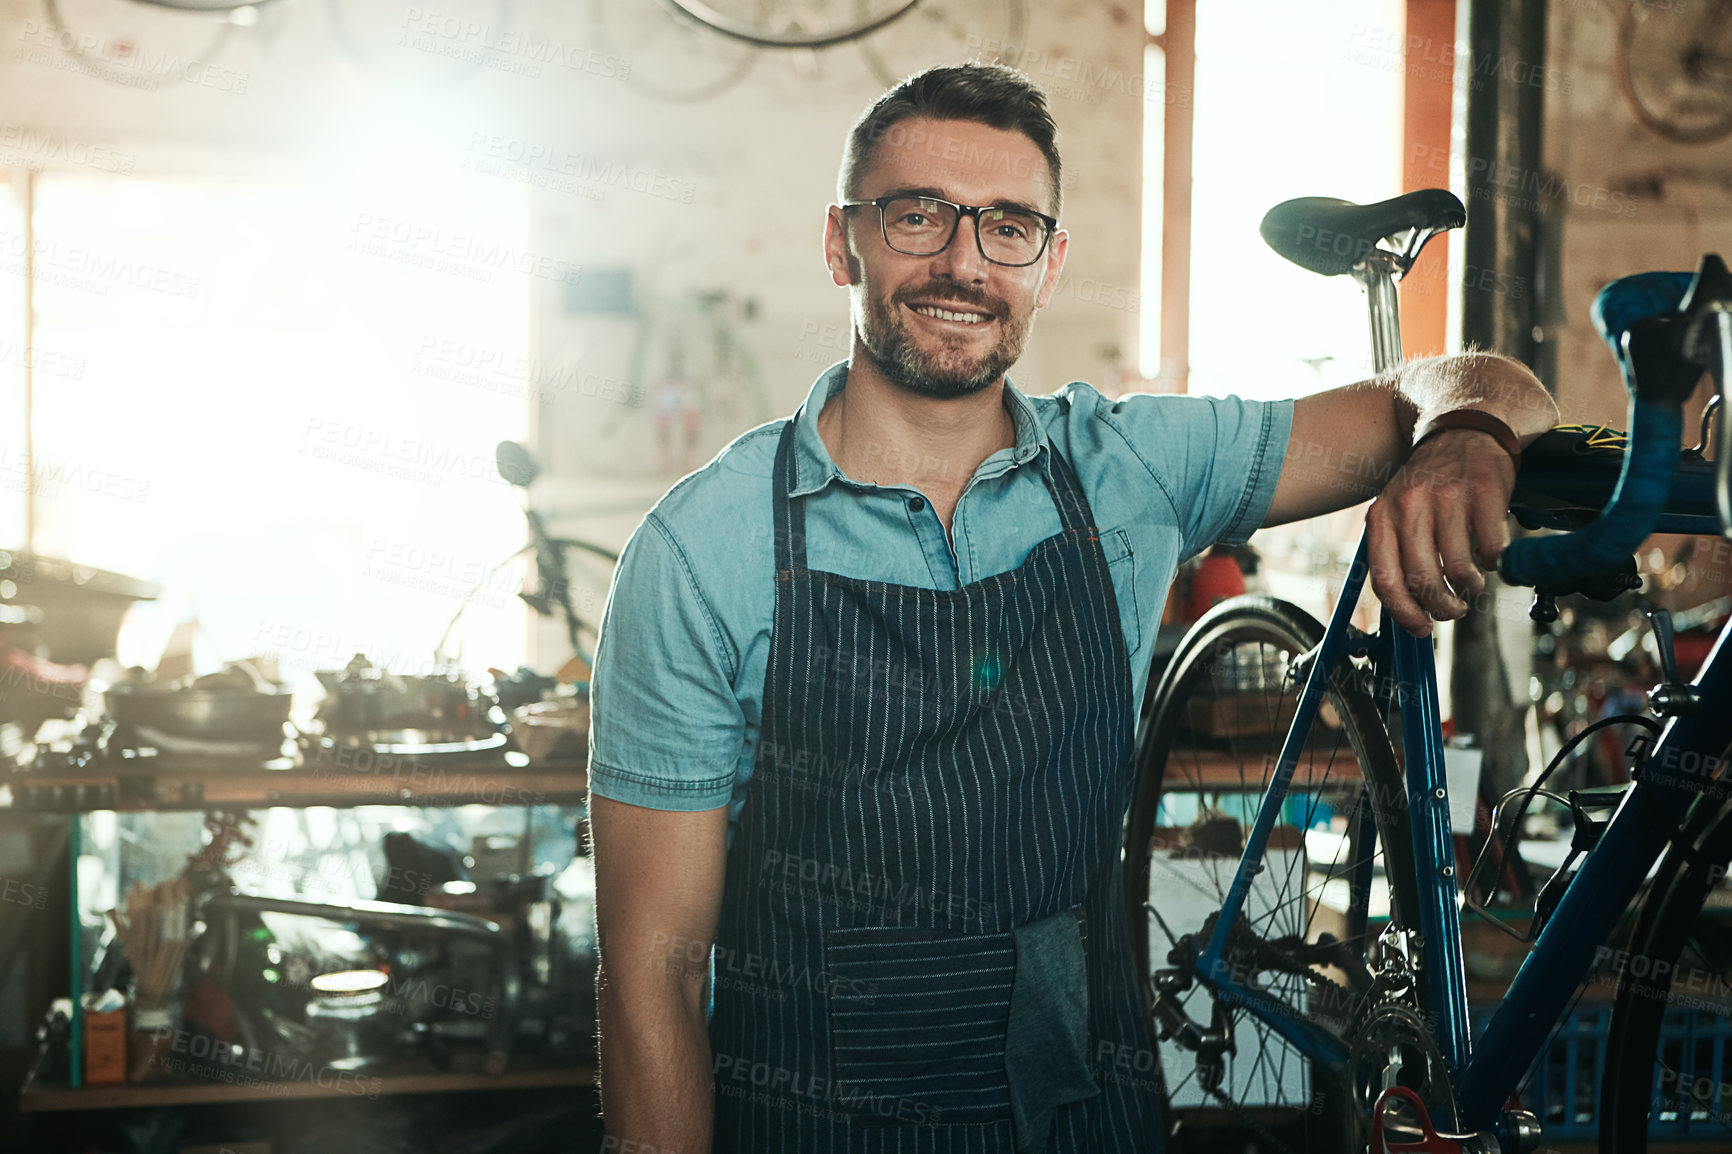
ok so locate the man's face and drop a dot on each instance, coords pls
(897, 300)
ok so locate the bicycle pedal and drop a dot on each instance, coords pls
(1412, 1132)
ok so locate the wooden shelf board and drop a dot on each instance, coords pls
(45, 1099)
(423, 785)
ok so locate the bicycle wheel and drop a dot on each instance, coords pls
(1674, 68)
(1668, 1054)
(1337, 863)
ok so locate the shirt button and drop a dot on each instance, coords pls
(915, 504)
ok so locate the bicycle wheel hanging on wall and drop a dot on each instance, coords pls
(457, 42)
(945, 32)
(1674, 68)
(144, 46)
(1338, 860)
(672, 57)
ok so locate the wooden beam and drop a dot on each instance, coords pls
(1179, 45)
(1427, 96)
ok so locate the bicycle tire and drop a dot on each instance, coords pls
(1190, 700)
(1649, 1069)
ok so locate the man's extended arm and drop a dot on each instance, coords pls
(658, 895)
(1444, 506)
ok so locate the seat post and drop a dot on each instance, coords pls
(1377, 273)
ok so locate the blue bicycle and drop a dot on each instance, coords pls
(1288, 854)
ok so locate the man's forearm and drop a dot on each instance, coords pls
(656, 1086)
(1497, 385)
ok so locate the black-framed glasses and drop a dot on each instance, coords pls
(925, 226)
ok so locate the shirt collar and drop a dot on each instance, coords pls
(814, 468)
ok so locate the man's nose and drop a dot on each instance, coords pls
(961, 259)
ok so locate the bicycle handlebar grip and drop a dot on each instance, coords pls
(1632, 298)
(1656, 436)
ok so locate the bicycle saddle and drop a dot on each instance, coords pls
(1331, 236)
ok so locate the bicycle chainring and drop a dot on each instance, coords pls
(1393, 1045)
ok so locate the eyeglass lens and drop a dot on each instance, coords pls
(917, 226)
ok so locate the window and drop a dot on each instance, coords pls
(281, 401)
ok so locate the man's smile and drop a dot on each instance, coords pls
(962, 314)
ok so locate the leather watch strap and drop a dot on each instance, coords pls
(1472, 419)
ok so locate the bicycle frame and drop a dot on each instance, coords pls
(1609, 876)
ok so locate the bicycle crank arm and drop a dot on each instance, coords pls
(1413, 1133)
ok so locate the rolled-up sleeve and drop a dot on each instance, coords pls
(1216, 458)
(666, 729)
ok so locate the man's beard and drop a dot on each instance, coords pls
(939, 370)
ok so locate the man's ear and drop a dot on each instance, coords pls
(1055, 250)
(836, 254)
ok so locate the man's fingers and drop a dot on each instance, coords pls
(1418, 537)
(1457, 553)
(1387, 580)
(1490, 513)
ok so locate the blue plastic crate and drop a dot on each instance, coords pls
(1690, 1095)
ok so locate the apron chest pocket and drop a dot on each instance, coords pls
(1122, 568)
(918, 1024)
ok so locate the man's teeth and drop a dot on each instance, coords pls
(947, 315)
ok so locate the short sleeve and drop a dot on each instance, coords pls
(666, 729)
(1217, 459)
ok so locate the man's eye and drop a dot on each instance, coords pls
(911, 219)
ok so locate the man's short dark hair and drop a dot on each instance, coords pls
(989, 94)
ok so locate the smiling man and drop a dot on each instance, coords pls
(867, 686)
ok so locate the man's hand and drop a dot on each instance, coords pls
(1439, 522)
(1440, 518)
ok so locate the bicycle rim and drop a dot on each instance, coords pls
(1668, 1057)
(1205, 751)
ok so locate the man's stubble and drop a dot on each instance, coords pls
(943, 371)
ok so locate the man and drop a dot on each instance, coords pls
(866, 690)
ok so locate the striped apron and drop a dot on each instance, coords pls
(922, 943)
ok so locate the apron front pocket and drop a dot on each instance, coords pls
(918, 1023)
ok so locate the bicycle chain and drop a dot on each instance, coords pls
(1250, 1123)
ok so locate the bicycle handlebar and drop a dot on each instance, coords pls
(1649, 320)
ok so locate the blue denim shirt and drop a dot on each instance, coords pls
(678, 686)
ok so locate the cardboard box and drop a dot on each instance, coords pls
(105, 1047)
